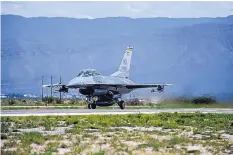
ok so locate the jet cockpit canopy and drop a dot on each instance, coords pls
(88, 72)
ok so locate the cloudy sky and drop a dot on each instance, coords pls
(115, 9)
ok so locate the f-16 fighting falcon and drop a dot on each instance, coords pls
(106, 90)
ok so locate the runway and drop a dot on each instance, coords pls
(51, 112)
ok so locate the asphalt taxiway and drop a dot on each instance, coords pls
(50, 112)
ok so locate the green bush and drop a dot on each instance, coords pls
(203, 100)
(206, 99)
(12, 102)
(58, 101)
(48, 99)
(3, 136)
(72, 101)
(183, 99)
(5, 127)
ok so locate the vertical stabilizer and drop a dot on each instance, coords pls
(124, 68)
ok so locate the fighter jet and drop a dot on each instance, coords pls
(106, 90)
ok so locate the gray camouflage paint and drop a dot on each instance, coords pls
(121, 77)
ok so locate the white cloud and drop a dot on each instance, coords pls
(115, 9)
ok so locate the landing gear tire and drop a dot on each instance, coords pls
(122, 104)
(93, 106)
(89, 106)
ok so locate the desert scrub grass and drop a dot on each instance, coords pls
(99, 153)
(74, 131)
(63, 145)
(32, 137)
(17, 108)
(163, 130)
(52, 137)
(50, 123)
(160, 133)
(32, 121)
(10, 143)
(217, 144)
(195, 152)
(77, 140)
(179, 151)
(87, 136)
(100, 122)
(178, 140)
(80, 148)
(3, 136)
(7, 152)
(53, 144)
(157, 144)
(171, 125)
(5, 127)
(122, 148)
(152, 143)
(49, 150)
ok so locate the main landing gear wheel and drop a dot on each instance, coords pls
(122, 104)
(93, 106)
(89, 106)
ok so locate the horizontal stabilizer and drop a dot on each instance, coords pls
(54, 85)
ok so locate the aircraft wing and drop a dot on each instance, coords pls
(102, 85)
(135, 86)
(129, 86)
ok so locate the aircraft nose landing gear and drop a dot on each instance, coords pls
(92, 102)
(89, 106)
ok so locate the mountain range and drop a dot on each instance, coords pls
(195, 54)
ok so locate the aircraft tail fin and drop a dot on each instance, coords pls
(124, 68)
